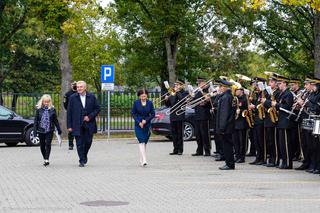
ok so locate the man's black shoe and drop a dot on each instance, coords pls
(197, 154)
(302, 167)
(310, 170)
(220, 159)
(317, 171)
(260, 163)
(271, 165)
(225, 167)
(70, 147)
(240, 161)
(207, 154)
(254, 162)
(179, 153)
(81, 165)
(173, 153)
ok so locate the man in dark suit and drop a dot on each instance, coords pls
(83, 108)
(66, 98)
(225, 122)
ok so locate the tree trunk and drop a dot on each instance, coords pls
(14, 102)
(172, 49)
(317, 45)
(66, 77)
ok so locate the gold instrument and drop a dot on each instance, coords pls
(170, 92)
(260, 107)
(273, 112)
(238, 107)
(248, 114)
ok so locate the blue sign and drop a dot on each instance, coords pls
(107, 73)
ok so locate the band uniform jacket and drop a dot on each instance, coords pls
(225, 122)
(313, 105)
(284, 100)
(173, 100)
(215, 100)
(202, 111)
(240, 122)
(267, 105)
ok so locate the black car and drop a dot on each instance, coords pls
(160, 125)
(14, 129)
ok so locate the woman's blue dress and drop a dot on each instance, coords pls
(140, 113)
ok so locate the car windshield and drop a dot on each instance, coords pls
(5, 114)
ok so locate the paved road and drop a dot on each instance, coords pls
(169, 184)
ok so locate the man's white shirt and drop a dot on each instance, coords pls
(83, 100)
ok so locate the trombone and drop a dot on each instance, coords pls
(170, 91)
(184, 102)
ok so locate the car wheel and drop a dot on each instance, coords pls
(11, 144)
(31, 139)
(188, 131)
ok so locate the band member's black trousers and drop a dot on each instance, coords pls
(45, 144)
(270, 137)
(295, 140)
(84, 142)
(258, 135)
(240, 143)
(252, 150)
(315, 153)
(70, 139)
(219, 143)
(285, 147)
(228, 149)
(306, 141)
(177, 136)
(203, 137)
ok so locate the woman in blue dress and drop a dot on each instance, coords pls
(142, 113)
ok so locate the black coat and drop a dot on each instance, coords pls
(53, 121)
(76, 113)
(313, 105)
(284, 100)
(202, 111)
(67, 97)
(215, 100)
(241, 122)
(267, 105)
(173, 99)
(225, 118)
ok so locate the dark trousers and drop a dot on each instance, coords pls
(219, 143)
(295, 140)
(285, 147)
(240, 138)
(270, 137)
(306, 144)
(202, 137)
(258, 137)
(177, 136)
(70, 139)
(228, 149)
(252, 150)
(45, 144)
(315, 153)
(84, 142)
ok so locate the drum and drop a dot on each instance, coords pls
(316, 127)
(307, 124)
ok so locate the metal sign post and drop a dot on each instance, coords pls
(107, 84)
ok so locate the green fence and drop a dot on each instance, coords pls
(120, 107)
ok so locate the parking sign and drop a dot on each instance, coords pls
(107, 74)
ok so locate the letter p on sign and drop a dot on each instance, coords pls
(107, 74)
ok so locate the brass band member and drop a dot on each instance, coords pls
(202, 117)
(285, 101)
(258, 129)
(225, 123)
(176, 121)
(306, 135)
(270, 124)
(240, 135)
(296, 129)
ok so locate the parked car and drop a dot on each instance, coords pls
(160, 125)
(14, 129)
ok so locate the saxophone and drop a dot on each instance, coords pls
(260, 108)
(273, 112)
(248, 114)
